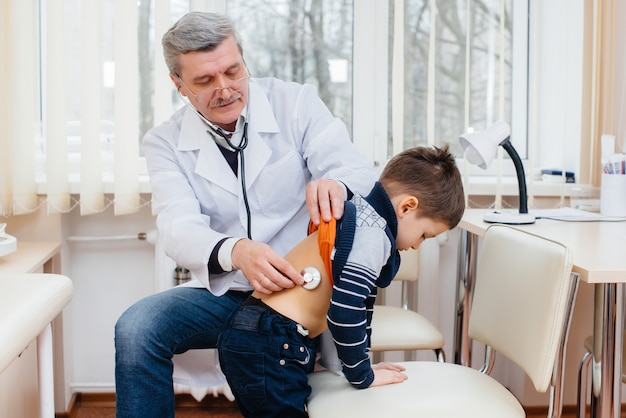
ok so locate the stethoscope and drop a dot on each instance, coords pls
(311, 275)
(226, 135)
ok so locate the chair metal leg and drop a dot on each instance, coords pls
(583, 373)
(556, 388)
(441, 356)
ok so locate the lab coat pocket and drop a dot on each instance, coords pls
(280, 188)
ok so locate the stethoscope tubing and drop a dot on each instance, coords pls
(239, 149)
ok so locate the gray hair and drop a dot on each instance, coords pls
(196, 31)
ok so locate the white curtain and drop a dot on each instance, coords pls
(91, 184)
(126, 107)
(56, 115)
(18, 192)
(36, 165)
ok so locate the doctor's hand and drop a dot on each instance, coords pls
(386, 373)
(324, 197)
(266, 271)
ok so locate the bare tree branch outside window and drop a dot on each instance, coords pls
(297, 40)
(450, 67)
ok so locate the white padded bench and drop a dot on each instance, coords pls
(28, 304)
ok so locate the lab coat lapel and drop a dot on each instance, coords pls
(210, 164)
(261, 124)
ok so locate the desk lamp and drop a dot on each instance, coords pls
(480, 149)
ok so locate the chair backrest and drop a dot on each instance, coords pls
(521, 299)
(409, 266)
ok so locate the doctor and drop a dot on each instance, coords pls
(235, 174)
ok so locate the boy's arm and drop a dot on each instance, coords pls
(349, 320)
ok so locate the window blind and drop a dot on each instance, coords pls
(91, 181)
(36, 80)
(17, 177)
(56, 112)
(126, 107)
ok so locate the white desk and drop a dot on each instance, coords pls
(599, 256)
(32, 257)
(16, 275)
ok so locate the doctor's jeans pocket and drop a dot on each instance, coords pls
(266, 363)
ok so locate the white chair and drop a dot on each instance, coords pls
(523, 299)
(397, 328)
(583, 374)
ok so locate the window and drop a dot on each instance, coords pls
(302, 41)
(391, 52)
(398, 72)
(432, 75)
(455, 69)
(96, 63)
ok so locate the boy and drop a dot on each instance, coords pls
(270, 343)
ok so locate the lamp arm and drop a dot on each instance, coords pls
(521, 178)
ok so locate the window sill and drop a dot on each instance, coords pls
(478, 186)
(487, 186)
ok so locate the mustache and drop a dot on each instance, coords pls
(219, 102)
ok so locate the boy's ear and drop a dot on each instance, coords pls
(407, 204)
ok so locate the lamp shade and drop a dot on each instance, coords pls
(480, 147)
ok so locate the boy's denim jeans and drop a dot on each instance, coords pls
(266, 358)
(151, 331)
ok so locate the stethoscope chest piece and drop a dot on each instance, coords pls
(312, 278)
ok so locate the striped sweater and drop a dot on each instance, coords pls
(372, 261)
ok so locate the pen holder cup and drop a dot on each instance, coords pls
(613, 195)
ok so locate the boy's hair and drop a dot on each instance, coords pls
(431, 175)
(196, 31)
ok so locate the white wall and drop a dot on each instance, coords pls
(108, 277)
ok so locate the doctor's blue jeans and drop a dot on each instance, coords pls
(150, 332)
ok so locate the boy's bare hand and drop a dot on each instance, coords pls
(386, 373)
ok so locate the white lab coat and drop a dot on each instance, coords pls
(292, 139)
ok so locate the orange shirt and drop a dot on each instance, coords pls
(326, 234)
